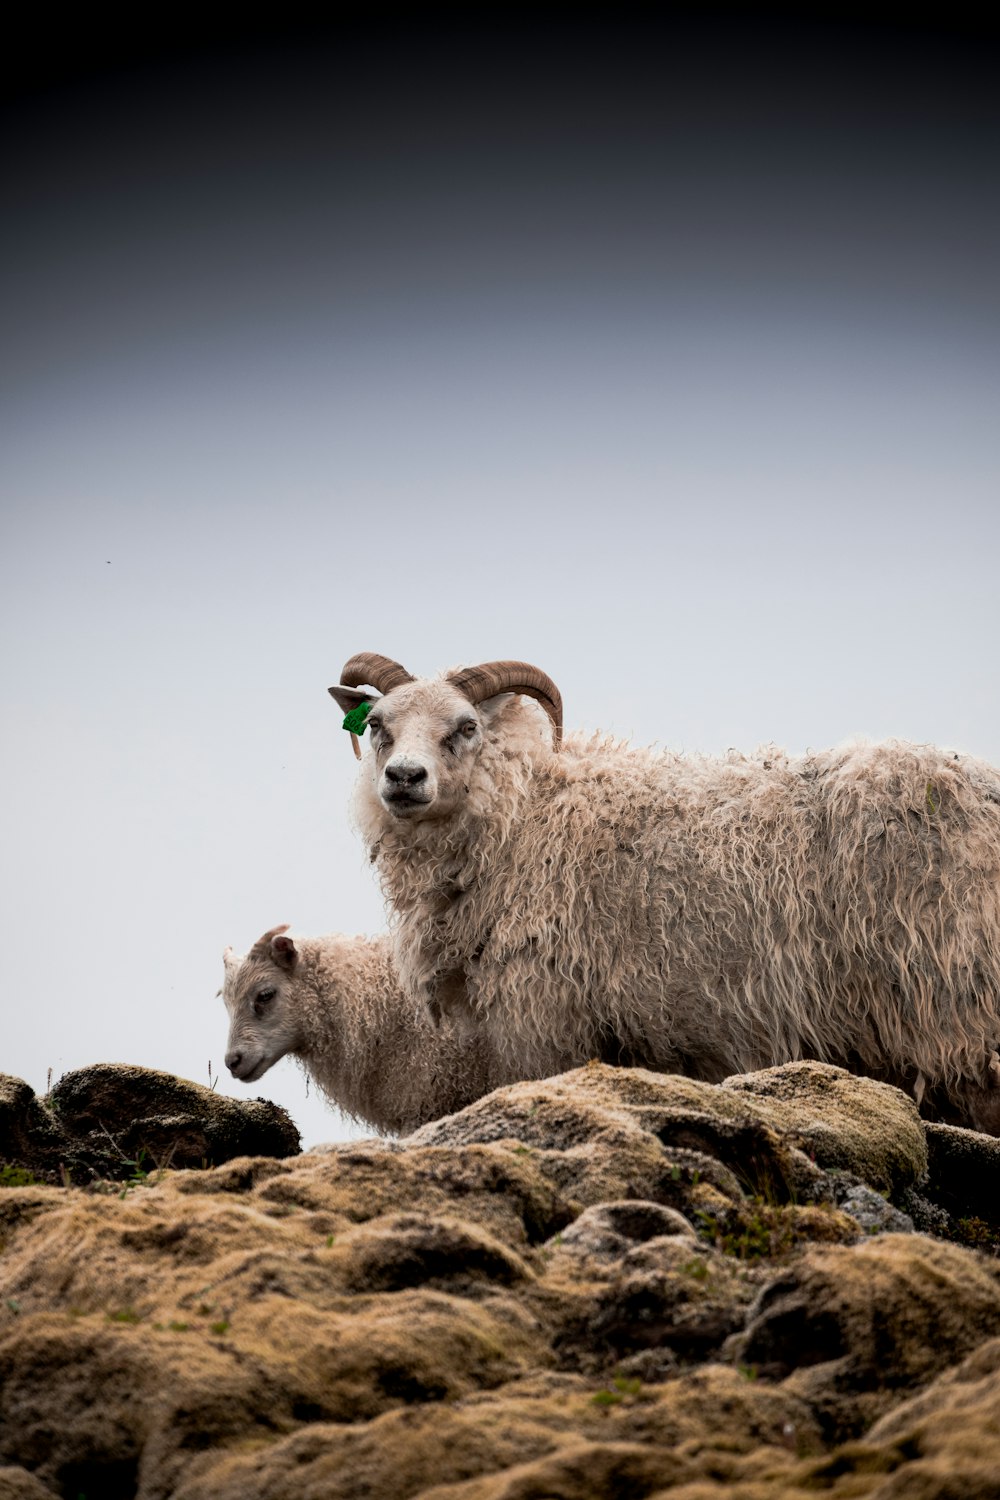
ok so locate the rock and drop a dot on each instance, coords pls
(31, 1137)
(144, 1110)
(115, 1121)
(18, 1484)
(873, 1213)
(664, 1129)
(579, 1469)
(406, 1250)
(773, 1130)
(927, 1217)
(610, 1230)
(841, 1121)
(963, 1172)
(850, 1329)
(950, 1432)
(608, 1282)
(942, 1442)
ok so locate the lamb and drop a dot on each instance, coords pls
(334, 1003)
(701, 915)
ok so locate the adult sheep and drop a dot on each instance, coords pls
(334, 1004)
(585, 898)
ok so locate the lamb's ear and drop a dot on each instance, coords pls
(491, 707)
(349, 697)
(229, 958)
(283, 951)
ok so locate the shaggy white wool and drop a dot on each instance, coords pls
(706, 915)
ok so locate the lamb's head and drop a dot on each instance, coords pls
(259, 991)
(427, 733)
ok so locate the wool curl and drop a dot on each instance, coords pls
(709, 915)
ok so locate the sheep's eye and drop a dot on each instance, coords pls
(463, 731)
(375, 725)
(264, 997)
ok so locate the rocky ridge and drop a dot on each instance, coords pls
(612, 1282)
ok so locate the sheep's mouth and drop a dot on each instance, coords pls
(250, 1072)
(402, 804)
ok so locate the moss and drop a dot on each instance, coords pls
(17, 1177)
(622, 1387)
(760, 1230)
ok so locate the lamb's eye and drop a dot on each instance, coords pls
(468, 728)
(375, 725)
(264, 997)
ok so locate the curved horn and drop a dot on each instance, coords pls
(479, 683)
(368, 669)
(263, 944)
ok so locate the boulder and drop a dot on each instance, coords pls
(841, 1120)
(120, 1122)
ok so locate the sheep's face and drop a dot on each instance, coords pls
(426, 737)
(263, 1019)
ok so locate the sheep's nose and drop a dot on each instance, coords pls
(405, 773)
(233, 1060)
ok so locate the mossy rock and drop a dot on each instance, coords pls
(117, 1121)
(31, 1138)
(840, 1120)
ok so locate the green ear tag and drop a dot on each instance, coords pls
(354, 722)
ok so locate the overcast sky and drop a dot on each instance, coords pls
(665, 357)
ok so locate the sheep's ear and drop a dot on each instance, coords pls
(489, 709)
(283, 951)
(229, 957)
(349, 697)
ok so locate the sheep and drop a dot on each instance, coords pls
(692, 914)
(334, 1003)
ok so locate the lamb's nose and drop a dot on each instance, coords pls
(233, 1060)
(405, 774)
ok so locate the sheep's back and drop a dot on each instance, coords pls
(842, 905)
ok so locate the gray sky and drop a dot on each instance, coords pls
(694, 407)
